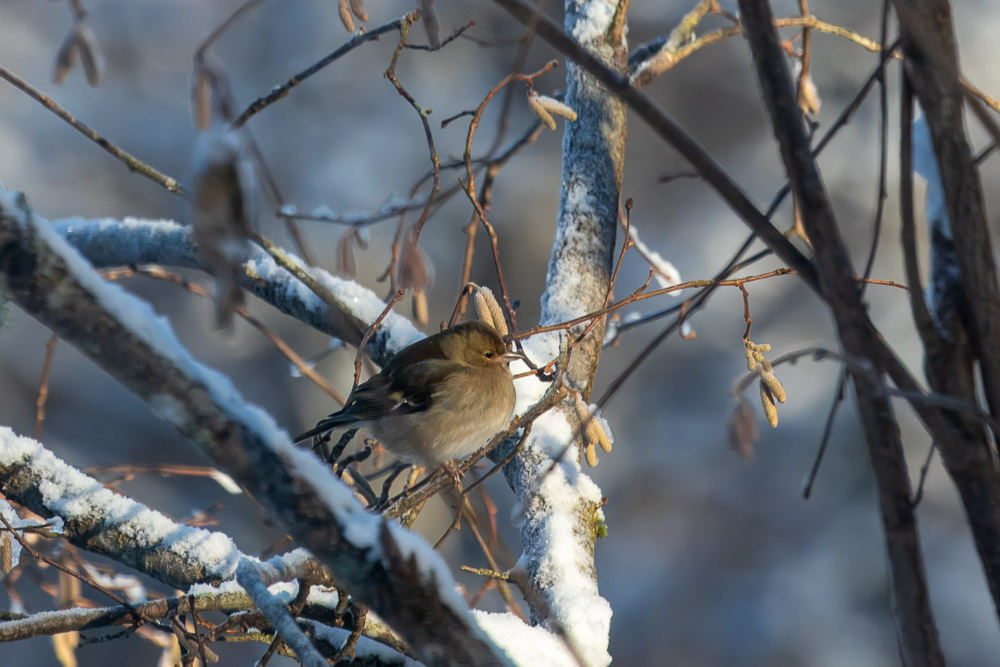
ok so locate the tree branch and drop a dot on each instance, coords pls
(110, 243)
(964, 296)
(917, 632)
(383, 566)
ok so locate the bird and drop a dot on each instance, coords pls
(438, 399)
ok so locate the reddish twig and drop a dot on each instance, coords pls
(368, 334)
(43, 386)
(159, 273)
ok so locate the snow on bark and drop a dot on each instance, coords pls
(559, 505)
(109, 242)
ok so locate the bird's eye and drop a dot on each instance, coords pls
(489, 355)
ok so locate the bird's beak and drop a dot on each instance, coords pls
(513, 356)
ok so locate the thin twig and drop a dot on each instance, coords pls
(368, 334)
(278, 92)
(159, 273)
(132, 162)
(43, 386)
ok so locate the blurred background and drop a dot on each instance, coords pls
(710, 559)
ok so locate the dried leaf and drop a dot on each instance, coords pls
(66, 57)
(222, 212)
(90, 53)
(201, 98)
(361, 237)
(743, 429)
(345, 254)
(416, 271)
(555, 107)
(540, 112)
(770, 409)
(431, 24)
(345, 16)
(419, 305)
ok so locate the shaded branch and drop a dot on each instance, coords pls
(915, 623)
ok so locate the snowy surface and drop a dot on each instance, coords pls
(361, 301)
(593, 19)
(527, 645)
(70, 493)
(430, 565)
(665, 272)
(73, 495)
(275, 610)
(366, 647)
(562, 563)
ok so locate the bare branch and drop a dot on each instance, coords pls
(915, 622)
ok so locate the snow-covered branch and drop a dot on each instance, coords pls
(560, 506)
(104, 522)
(107, 523)
(275, 611)
(110, 242)
(385, 567)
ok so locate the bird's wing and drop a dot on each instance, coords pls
(406, 385)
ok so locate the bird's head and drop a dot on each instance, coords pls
(476, 344)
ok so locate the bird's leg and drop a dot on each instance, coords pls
(453, 472)
(395, 469)
(338, 449)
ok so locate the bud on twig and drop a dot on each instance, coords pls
(345, 16)
(540, 112)
(592, 431)
(489, 310)
(770, 409)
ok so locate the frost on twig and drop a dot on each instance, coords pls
(110, 243)
(104, 522)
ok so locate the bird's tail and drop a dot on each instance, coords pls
(324, 425)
